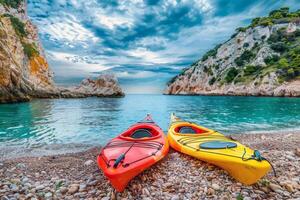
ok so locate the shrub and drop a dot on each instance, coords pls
(279, 47)
(244, 58)
(231, 74)
(246, 44)
(296, 62)
(30, 50)
(212, 81)
(250, 70)
(291, 73)
(283, 63)
(241, 29)
(265, 22)
(271, 59)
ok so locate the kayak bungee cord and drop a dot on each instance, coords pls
(257, 156)
(139, 144)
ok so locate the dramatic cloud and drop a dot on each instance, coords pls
(144, 42)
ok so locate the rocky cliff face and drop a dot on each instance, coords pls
(261, 59)
(24, 71)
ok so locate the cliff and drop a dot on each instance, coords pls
(262, 59)
(24, 71)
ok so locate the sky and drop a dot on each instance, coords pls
(143, 42)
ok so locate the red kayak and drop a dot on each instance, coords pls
(133, 151)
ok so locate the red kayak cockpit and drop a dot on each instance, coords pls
(142, 131)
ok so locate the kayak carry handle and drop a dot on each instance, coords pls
(118, 160)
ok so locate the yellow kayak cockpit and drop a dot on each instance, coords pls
(243, 163)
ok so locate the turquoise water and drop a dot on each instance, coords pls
(96, 120)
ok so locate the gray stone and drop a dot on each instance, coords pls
(88, 162)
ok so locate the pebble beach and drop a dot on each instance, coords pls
(177, 176)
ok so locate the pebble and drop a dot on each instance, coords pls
(48, 195)
(275, 187)
(21, 166)
(82, 187)
(73, 188)
(297, 152)
(210, 191)
(29, 195)
(289, 187)
(215, 186)
(63, 190)
(40, 187)
(175, 197)
(93, 183)
(88, 162)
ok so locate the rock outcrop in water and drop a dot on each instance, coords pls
(104, 85)
(24, 71)
(261, 59)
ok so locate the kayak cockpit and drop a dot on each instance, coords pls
(141, 132)
(189, 129)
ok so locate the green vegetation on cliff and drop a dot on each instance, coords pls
(30, 49)
(11, 3)
(282, 15)
(18, 25)
(273, 52)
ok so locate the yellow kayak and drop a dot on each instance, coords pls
(244, 164)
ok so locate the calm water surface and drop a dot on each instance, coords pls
(96, 120)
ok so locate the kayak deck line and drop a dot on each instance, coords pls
(139, 144)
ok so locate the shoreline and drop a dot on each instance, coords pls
(76, 175)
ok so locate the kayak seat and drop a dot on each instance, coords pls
(141, 133)
(187, 129)
(216, 144)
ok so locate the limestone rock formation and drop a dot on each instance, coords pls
(105, 85)
(24, 71)
(262, 59)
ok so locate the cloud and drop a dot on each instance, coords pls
(145, 42)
